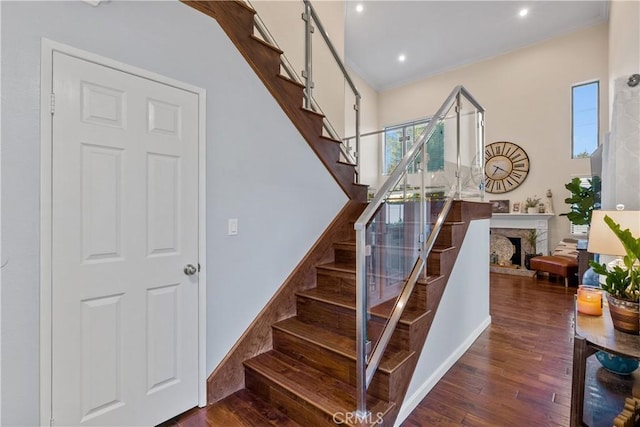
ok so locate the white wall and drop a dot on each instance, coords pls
(461, 317)
(624, 41)
(527, 95)
(259, 169)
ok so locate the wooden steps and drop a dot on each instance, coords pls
(334, 354)
(237, 19)
(302, 392)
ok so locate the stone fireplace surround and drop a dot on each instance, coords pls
(518, 226)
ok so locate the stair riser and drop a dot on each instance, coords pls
(336, 281)
(343, 321)
(331, 363)
(267, 56)
(291, 405)
(450, 233)
(440, 262)
(345, 254)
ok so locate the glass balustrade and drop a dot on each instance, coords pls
(399, 227)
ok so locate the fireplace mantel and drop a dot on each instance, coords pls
(539, 222)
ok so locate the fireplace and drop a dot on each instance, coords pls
(509, 234)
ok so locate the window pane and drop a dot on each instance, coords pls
(393, 151)
(584, 120)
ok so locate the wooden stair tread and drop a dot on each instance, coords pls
(266, 44)
(244, 408)
(338, 266)
(314, 387)
(409, 315)
(290, 80)
(343, 345)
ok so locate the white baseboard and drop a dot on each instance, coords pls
(412, 402)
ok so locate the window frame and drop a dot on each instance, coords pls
(405, 132)
(572, 106)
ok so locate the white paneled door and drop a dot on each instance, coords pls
(124, 248)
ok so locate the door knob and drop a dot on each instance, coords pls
(190, 269)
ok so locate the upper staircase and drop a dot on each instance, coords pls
(237, 20)
(297, 361)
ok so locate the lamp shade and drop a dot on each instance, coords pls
(602, 240)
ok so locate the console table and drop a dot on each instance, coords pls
(593, 333)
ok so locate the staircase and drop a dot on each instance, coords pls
(237, 20)
(309, 373)
(299, 357)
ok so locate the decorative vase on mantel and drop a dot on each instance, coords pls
(625, 315)
(532, 210)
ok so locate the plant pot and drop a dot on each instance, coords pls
(527, 260)
(533, 210)
(625, 315)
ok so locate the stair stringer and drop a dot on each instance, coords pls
(461, 214)
(236, 20)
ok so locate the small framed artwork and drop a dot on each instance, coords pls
(499, 206)
(516, 208)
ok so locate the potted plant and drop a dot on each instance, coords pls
(532, 204)
(532, 239)
(583, 200)
(622, 282)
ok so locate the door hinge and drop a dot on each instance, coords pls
(53, 103)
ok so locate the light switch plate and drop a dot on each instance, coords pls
(233, 227)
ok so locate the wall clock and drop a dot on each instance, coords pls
(506, 166)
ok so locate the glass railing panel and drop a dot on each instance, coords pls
(397, 232)
(471, 153)
(400, 226)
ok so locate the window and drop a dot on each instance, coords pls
(399, 139)
(584, 119)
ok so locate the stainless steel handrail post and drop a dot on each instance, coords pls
(361, 321)
(308, 45)
(480, 151)
(458, 157)
(356, 155)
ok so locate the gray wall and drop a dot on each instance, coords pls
(259, 170)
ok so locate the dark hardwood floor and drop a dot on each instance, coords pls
(517, 373)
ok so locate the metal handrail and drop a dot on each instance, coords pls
(366, 369)
(327, 40)
(311, 13)
(394, 178)
(403, 298)
(310, 101)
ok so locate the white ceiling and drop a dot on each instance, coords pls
(437, 36)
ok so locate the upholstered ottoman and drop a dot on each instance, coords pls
(556, 264)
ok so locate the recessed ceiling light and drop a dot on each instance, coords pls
(402, 58)
(523, 12)
(359, 8)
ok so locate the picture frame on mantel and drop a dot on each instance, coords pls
(499, 206)
(516, 207)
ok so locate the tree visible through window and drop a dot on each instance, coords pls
(399, 139)
(584, 119)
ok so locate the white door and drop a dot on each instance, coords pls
(125, 225)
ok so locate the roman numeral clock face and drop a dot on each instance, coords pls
(506, 166)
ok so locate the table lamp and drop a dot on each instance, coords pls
(602, 240)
